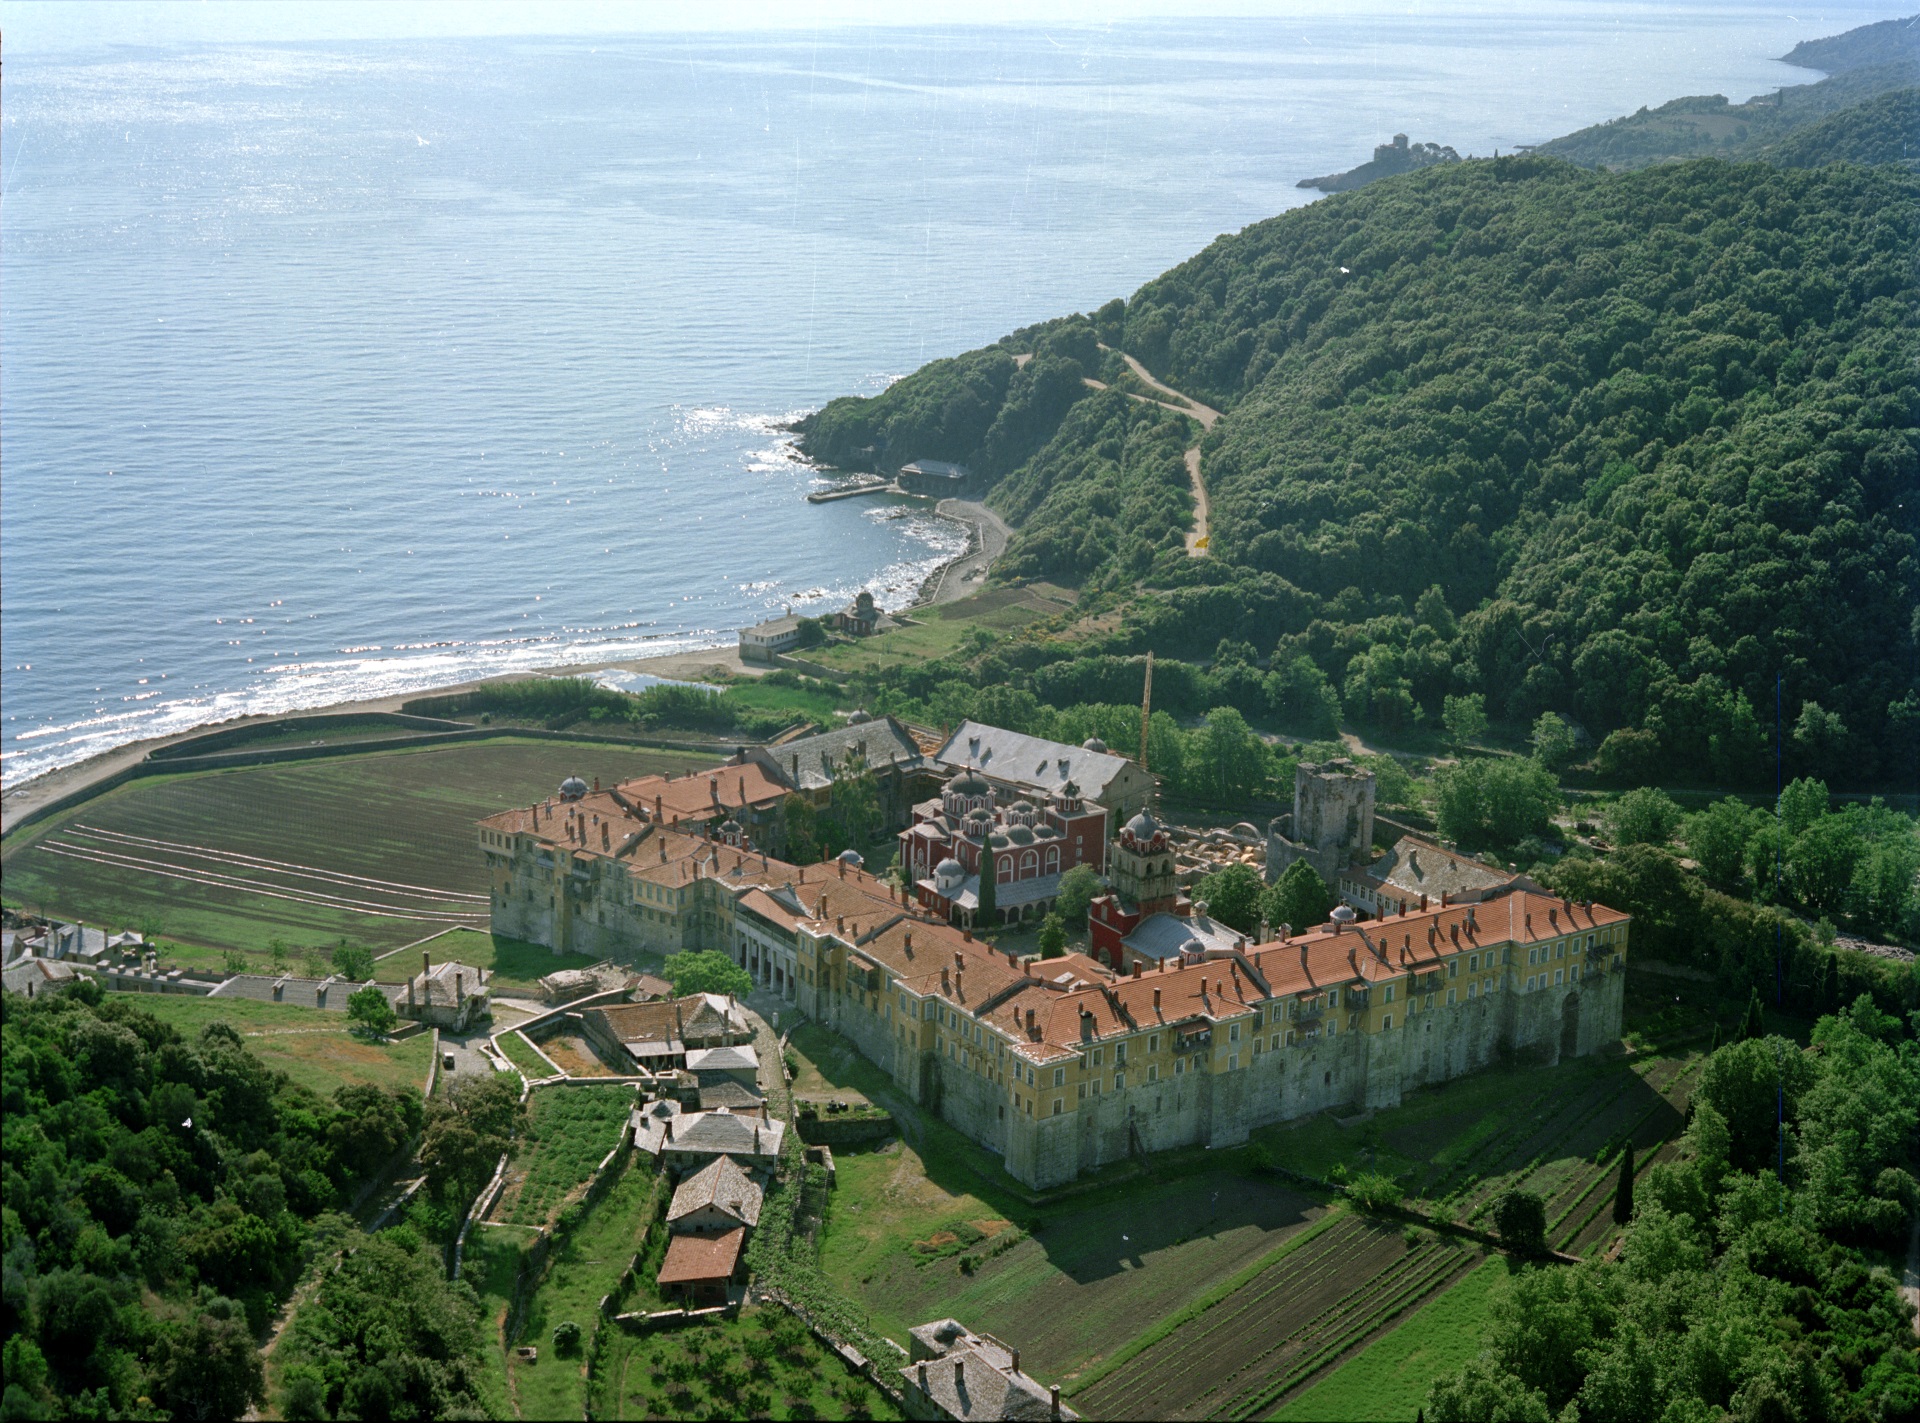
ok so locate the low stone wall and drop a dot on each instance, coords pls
(846, 1131)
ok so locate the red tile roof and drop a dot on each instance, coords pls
(694, 1259)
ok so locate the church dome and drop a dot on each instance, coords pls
(949, 868)
(572, 788)
(1343, 914)
(1020, 835)
(1095, 744)
(1193, 946)
(859, 718)
(1143, 826)
(852, 858)
(970, 783)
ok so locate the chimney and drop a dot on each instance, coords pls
(1156, 1000)
(426, 962)
(1055, 1392)
(959, 987)
(1016, 1361)
(959, 961)
(967, 935)
(946, 984)
(669, 1126)
(843, 868)
(840, 924)
(459, 989)
(606, 836)
(959, 1374)
(596, 783)
(909, 941)
(1136, 968)
(659, 813)
(1446, 898)
(1423, 904)
(743, 792)
(923, 1362)
(1029, 1021)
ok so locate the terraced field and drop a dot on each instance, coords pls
(1239, 1358)
(568, 1131)
(376, 848)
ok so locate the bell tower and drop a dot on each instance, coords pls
(1140, 866)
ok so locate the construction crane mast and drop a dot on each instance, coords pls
(1146, 709)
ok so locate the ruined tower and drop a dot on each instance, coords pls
(1332, 822)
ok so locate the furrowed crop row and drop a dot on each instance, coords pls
(1502, 1145)
(1338, 1246)
(1155, 1385)
(1389, 1278)
(1323, 1353)
(1480, 1199)
(1503, 1152)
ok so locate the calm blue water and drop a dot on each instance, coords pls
(337, 371)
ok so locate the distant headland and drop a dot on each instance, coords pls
(1388, 159)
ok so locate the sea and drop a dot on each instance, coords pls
(333, 371)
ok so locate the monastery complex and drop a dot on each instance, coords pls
(1180, 1032)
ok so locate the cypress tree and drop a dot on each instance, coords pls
(1623, 1194)
(1756, 1026)
(989, 891)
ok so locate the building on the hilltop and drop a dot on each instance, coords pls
(1332, 822)
(764, 642)
(954, 1373)
(1031, 766)
(1060, 1066)
(946, 850)
(937, 479)
(657, 1036)
(881, 747)
(718, 1197)
(1416, 873)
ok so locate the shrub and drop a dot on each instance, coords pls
(566, 1337)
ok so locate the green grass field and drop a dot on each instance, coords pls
(522, 1056)
(1388, 1380)
(311, 1046)
(764, 1364)
(516, 966)
(585, 1265)
(939, 632)
(568, 1131)
(377, 848)
(491, 1264)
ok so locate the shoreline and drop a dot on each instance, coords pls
(955, 578)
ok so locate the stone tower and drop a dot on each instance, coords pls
(1140, 866)
(1332, 822)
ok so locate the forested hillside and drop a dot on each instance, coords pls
(1882, 130)
(1624, 447)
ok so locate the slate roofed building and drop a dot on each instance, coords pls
(954, 1373)
(694, 1139)
(763, 642)
(1417, 873)
(655, 1036)
(445, 995)
(1032, 765)
(718, 1197)
(901, 772)
(32, 975)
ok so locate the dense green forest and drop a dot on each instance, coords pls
(162, 1195)
(1754, 1281)
(1882, 130)
(1634, 448)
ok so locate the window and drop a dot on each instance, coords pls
(1453, 969)
(1096, 1057)
(1473, 991)
(1333, 998)
(1083, 1092)
(1179, 1066)
(1530, 983)
(1233, 1032)
(1560, 949)
(1153, 1043)
(1559, 977)
(1119, 1054)
(1059, 1077)
(1096, 1086)
(1153, 1074)
(1386, 1022)
(1059, 1106)
(1429, 1003)
(1332, 1025)
(1589, 943)
(1233, 1062)
(1450, 994)
(1198, 1062)
(1533, 956)
(1473, 962)
(1389, 997)
(1119, 1081)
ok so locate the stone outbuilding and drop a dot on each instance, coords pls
(33, 975)
(451, 995)
(953, 1373)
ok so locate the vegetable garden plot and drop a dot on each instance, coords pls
(568, 1131)
(1279, 1329)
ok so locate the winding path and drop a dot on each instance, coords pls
(1198, 537)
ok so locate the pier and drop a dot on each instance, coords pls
(827, 496)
